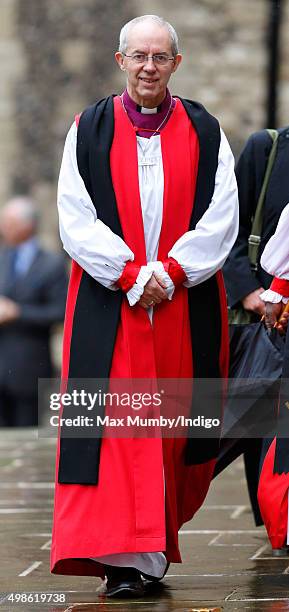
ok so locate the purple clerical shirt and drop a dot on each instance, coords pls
(151, 120)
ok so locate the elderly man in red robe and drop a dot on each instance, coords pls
(148, 213)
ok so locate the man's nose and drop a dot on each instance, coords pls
(149, 65)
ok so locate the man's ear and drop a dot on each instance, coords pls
(177, 62)
(119, 59)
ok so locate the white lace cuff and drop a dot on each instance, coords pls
(273, 297)
(135, 293)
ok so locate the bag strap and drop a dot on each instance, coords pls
(255, 236)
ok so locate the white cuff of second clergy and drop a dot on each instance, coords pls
(273, 297)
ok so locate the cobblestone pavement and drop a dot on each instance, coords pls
(227, 562)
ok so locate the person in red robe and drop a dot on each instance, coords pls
(274, 478)
(148, 213)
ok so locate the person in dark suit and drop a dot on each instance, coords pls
(33, 284)
(243, 285)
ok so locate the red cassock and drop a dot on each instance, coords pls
(273, 499)
(130, 510)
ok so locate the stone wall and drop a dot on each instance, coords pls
(284, 69)
(68, 64)
(56, 58)
(13, 66)
(222, 42)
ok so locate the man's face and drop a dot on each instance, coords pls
(14, 229)
(146, 83)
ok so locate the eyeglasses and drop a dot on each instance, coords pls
(158, 58)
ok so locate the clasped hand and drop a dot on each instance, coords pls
(274, 316)
(273, 313)
(253, 303)
(154, 292)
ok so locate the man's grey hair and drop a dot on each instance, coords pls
(25, 208)
(159, 20)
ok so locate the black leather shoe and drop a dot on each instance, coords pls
(123, 582)
(280, 552)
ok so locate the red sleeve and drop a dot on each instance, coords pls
(280, 285)
(174, 270)
(77, 118)
(128, 276)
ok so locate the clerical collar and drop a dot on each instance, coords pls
(132, 105)
(147, 111)
(148, 124)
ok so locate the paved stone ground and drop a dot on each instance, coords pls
(227, 562)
